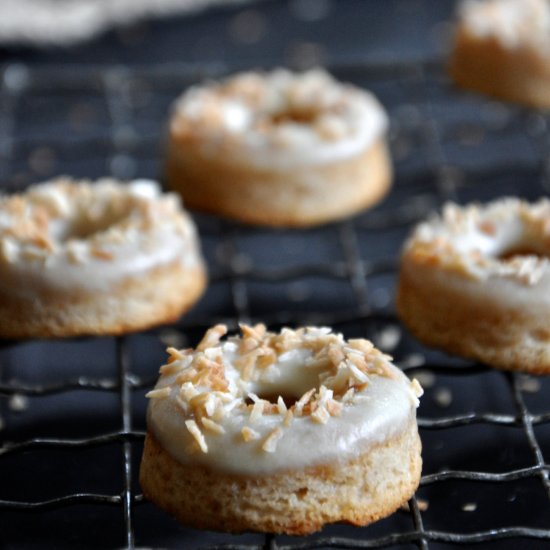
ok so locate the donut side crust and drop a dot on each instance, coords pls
(294, 197)
(160, 296)
(297, 502)
(484, 64)
(474, 328)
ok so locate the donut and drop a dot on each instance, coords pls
(502, 48)
(79, 258)
(280, 432)
(475, 282)
(278, 148)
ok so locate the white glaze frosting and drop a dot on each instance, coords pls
(219, 406)
(501, 251)
(512, 22)
(83, 236)
(279, 119)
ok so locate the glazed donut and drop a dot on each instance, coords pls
(280, 432)
(502, 48)
(279, 148)
(94, 258)
(476, 282)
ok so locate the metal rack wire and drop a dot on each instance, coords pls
(348, 285)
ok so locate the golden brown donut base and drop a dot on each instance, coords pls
(295, 502)
(297, 197)
(483, 64)
(474, 328)
(159, 297)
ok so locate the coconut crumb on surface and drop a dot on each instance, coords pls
(249, 434)
(257, 411)
(197, 434)
(270, 443)
(212, 337)
(212, 426)
(160, 393)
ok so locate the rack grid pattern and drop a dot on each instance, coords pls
(447, 145)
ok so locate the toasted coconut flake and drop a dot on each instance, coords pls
(160, 393)
(44, 242)
(236, 402)
(261, 330)
(257, 332)
(288, 418)
(224, 397)
(335, 355)
(212, 337)
(253, 397)
(270, 443)
(248, 344)
(197, 434)
(170, 368)
(183, 405)
(334, 407)
(383, 369)
(210, 405)
(320, 415)
(248, 371)
(281, 406)
(361, 344)
(417, 388)
(9, 250)
(246, 360)
(76, 255)
(249, 434)
(212, 426)
(257, 411)
(360, 376)
(33, 254)
(348, 396)
(271, 408)
(188, 391)
(317, 362)
(266, 357)
(101, 254)
(175, 354)
(358, 360)
(186, 376)
(302, 402)
(214, 354)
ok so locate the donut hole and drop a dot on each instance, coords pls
(289, 400)
(520, 250)
(85, 227)
(294, 116)
(290, 380)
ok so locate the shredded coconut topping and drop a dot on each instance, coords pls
(513, 22)
(270, 379)
(508, 238)
(67, 232)
(279, 111)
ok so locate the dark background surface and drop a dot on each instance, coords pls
(72, 412)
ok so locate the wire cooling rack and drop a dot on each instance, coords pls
(72, 412)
